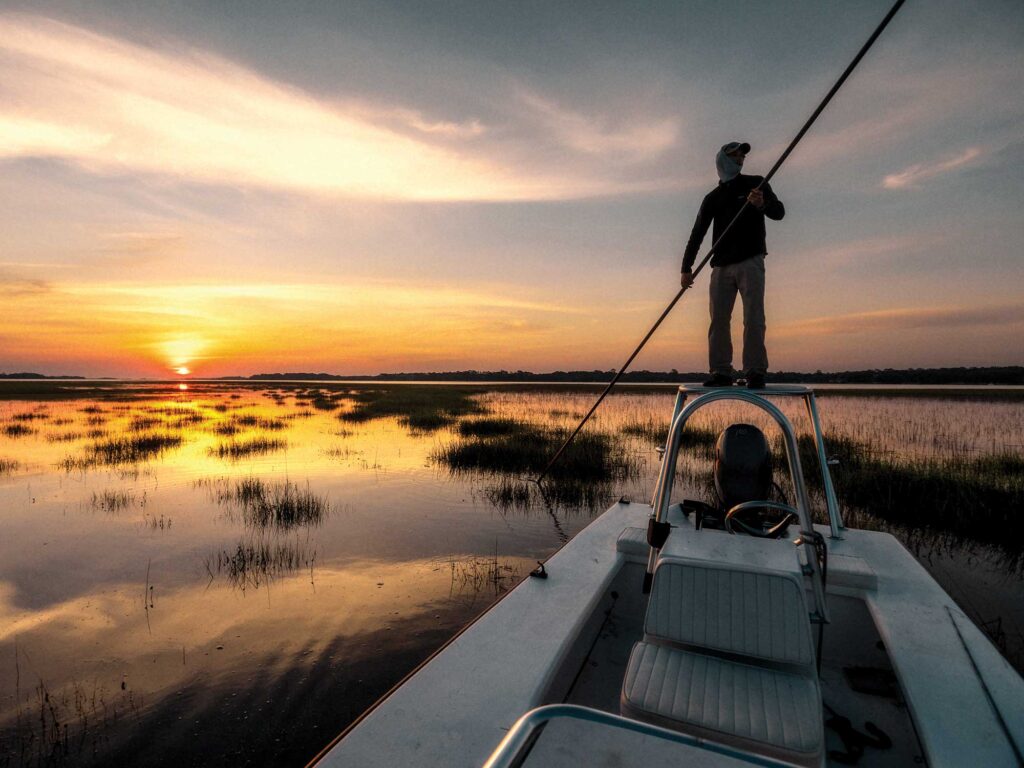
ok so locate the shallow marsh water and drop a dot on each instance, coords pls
(235, 572)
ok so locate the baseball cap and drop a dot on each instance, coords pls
(736, 146)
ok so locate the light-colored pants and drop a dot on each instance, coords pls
(747, 278)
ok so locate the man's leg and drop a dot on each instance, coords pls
(723, 299)
(750, 278)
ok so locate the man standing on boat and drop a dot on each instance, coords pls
(737, 265)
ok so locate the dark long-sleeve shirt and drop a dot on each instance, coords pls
(746, 238)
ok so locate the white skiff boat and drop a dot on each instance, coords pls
(824, 646)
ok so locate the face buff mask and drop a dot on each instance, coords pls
(728, 169)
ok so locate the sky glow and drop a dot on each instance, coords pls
(364, 188)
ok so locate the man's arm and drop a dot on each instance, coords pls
(700, 228)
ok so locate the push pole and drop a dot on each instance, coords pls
(778, 164)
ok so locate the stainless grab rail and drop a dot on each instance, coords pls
(514, 748)
(708, 396)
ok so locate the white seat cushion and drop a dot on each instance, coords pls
(758, 614)
(756, 708)
(632, 542)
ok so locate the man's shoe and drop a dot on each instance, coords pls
(755, 381)
(719, 380)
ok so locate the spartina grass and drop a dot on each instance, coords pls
(592, 456)
(259, 559)
(17, 429)
(31, 416)
(492, 426)
(63, 437)
(144, 423)
(240, 449)
(268, 504)
(133, 449)
(421, 408)
(113, 501)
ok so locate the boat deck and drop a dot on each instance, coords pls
(850, 642)
(940, 689)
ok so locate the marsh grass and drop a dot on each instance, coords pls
(9, 466)
(75, 464)
(592, 456)
(31, 416)
(516, 494)
(144, 423)
(133, 449)
(18, 429)
(267, 504)
(655, 431)
(113, 501)
(63, 437)
(976, 497)
(252, 421)
(492, 426)
(68, 726)
(155, 523)
(420, 408)
(324, 402)
(258, 560)
(475, 576)
(240, 449)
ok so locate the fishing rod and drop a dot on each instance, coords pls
(778, 164)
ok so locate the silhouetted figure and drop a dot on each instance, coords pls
(736, 266)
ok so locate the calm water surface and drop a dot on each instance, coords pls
(152, 612)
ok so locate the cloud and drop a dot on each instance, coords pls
(866, 252)
(905, 318)
(913, 175)
(113, 107)
(12, 287)
(600, 135)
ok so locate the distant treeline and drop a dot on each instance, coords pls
(1013, 374)
(35, 376)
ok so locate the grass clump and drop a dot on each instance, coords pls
(63, 437)
(975, 497)
(268, 504)
(422, 408)
(133, 449)
(514, 494)
(240, 449)
(144, 423)
(592, 456)
(17, 429)
(491, 427)
(112, 501)
(8, 466)
(31, 416)
(655, 431)
(257, 561)
(242, 421)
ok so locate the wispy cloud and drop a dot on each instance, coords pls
(905, 318)
(12, 287)
(913, 175)
(111, 106)
(602, 134)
